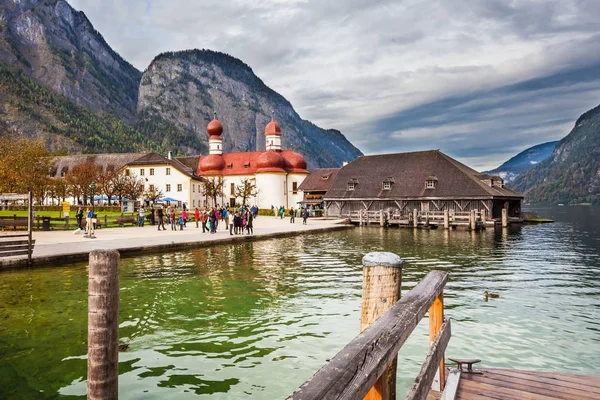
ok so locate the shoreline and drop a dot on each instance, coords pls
(62, 247)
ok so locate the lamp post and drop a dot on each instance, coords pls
(93, 187)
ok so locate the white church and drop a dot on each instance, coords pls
(276, 173)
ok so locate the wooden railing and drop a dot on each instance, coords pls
(354, 371)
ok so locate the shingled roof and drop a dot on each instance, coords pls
(108, 162)
(320, 180)
(154, 159)
(407, 174)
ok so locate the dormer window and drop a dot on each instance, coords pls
(324, 177)
(387, 183)
(352, 183)
(230, 165)
(430, 182)
(247, 165)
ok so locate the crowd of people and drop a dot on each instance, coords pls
(236, 220)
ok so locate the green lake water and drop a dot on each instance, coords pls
(255, 320)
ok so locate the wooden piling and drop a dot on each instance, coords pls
(473, 221)
(446, 219)
(381, 219)
(483, 216)
(504, 217)
(103, 325)
(382, 279)
(415, 219)
(436, 319)
(360, 217)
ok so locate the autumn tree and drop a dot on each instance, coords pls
(24, 166)
(246, 189)
(213, 188)
(152, 193)
(106, 184)
(80, 177)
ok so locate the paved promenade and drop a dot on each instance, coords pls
(56, 247)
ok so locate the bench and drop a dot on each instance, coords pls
(15, 245)
(127, 220)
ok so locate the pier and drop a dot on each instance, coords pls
(447, 219)
(366, 367)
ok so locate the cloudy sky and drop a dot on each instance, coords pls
(478, 79)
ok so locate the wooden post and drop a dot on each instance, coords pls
(436, 319)
(415, 219)
(360, 217)
(103, 325)
(473, 220)
(446, 219)
(382, 280)
(381, 220)
(483, 216)
(29, 227)
(504, 217)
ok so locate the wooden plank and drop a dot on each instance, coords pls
(570, 382)
(13, 242)
(26, 235)
(534, 387)
(15, 247)
(423, 382)
(15, 253)
(497, 392)
(451, 387)
(354, 370)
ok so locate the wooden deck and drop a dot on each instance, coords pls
(505, 384)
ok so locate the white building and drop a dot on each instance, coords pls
(172, 177)
(276, 174)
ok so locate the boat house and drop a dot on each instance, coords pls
(426, 181)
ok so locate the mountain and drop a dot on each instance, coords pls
(185, 87)
(523, 161)
(62, 83)
(61, 50)
(572, 173)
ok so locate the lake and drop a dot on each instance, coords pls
(255, 320)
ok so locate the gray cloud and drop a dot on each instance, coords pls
(479, 79)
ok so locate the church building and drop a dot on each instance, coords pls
(275, 174)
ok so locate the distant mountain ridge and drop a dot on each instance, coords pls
(94, 101)
(572, 173)
(524, 161)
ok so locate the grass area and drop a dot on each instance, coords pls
(59, 214)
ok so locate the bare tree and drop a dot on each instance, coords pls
(246, 189)
(213, 188)
(80, 177)
(153, 194)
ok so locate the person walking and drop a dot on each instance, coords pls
(250, 224)
(197, 216)
(160, 213)
(152, 221)
(305, 216)
(89, 224)
(281, 212)
(173, 220)
(292, 216)
(230, 221)
(204, 219)
(79, 217)
(184, 216)
(142, 217)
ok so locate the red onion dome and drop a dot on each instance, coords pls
(270, 161)
(295, 160)
(214, 128)
(211, 163)
(273, 128)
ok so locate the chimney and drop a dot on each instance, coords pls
(170, 155)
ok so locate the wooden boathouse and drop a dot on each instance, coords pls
(419, 188)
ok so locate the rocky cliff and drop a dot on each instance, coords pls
(572, 173)
(185, 87)
(62, 51)
(523, 161)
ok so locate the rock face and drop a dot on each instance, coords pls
(572, 173)
(185, 87)
(62, 51)
(523, 161)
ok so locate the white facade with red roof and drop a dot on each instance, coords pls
(276, 173)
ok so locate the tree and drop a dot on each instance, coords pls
(153, 194)
(24, 165)
(134, 187)
(246, 189)
(80, 177)
(58, 189)
(213, 188)
(106, 184)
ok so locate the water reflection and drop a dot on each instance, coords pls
(257, 319)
